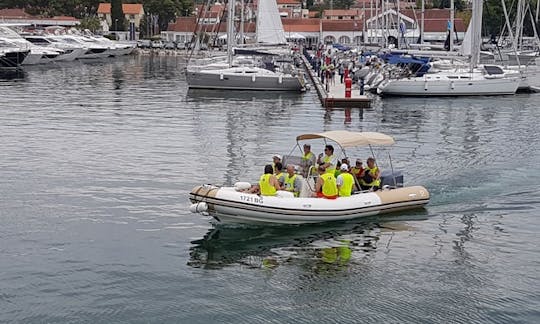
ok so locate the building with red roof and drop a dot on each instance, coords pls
(133, 13)
(19, 16)
(353, 27)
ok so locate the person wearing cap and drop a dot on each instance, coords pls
(328, 160)
(370, 177)
(308, 160)
(344, 181)
(326, 184)
(275, 159)
(292, 182)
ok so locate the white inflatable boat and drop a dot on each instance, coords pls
(234, 205)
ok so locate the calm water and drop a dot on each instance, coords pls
(97, 160)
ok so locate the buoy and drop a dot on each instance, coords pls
(198, 207)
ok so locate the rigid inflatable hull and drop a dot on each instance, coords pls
(230, 206)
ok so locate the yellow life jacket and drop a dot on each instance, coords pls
(307, 157)
(266, 188)
(329, 187)
(289, 184)
(328, 159)
(348, 182)
(356, 171)
(375, 182)
(281, 178)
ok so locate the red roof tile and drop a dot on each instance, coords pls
(13, 13)
(127, 8)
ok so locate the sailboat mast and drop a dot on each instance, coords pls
(422, 20)
(451, 31)
(230, 30)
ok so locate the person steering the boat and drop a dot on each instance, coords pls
(344, 181)
(370, 177)
(326, 186)
(328, 160)
(268, 183)
(308, 160)
(292, 182)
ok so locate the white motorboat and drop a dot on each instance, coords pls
(489, 80)
(11, 55)
(232, 204)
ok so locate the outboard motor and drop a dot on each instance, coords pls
(393, 180)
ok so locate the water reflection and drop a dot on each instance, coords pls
(318, 247)
(244, 96)
(348, 114)
(13, 75)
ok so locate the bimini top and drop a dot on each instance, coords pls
(351, 139)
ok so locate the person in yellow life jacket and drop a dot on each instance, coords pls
(326, 186)
(292, 181)
(308, 160)
(344, 181)
(268, 183)
(370, 177)
(275, 159)
(328, 160)
(356, 171)
(278, 172)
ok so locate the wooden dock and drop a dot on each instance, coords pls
(333, 95)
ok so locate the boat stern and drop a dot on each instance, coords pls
(403, 198)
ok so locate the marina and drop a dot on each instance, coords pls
(378, 163)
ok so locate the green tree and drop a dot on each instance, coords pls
(90, 23)
(166, 11)
(117, 16)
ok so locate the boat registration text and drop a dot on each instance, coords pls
(251, 199)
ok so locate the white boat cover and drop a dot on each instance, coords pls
(351, 139)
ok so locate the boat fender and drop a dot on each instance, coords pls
(198, 207)
(280, 79)
(221, 76)
(452, 85)
(239, 186)
(253, 78)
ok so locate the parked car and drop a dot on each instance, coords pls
(170, 45)
(157, 44)
(144, 43)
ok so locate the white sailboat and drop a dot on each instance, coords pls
(471, 81)
(244, 77)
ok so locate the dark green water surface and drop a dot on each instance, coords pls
(97, 160)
